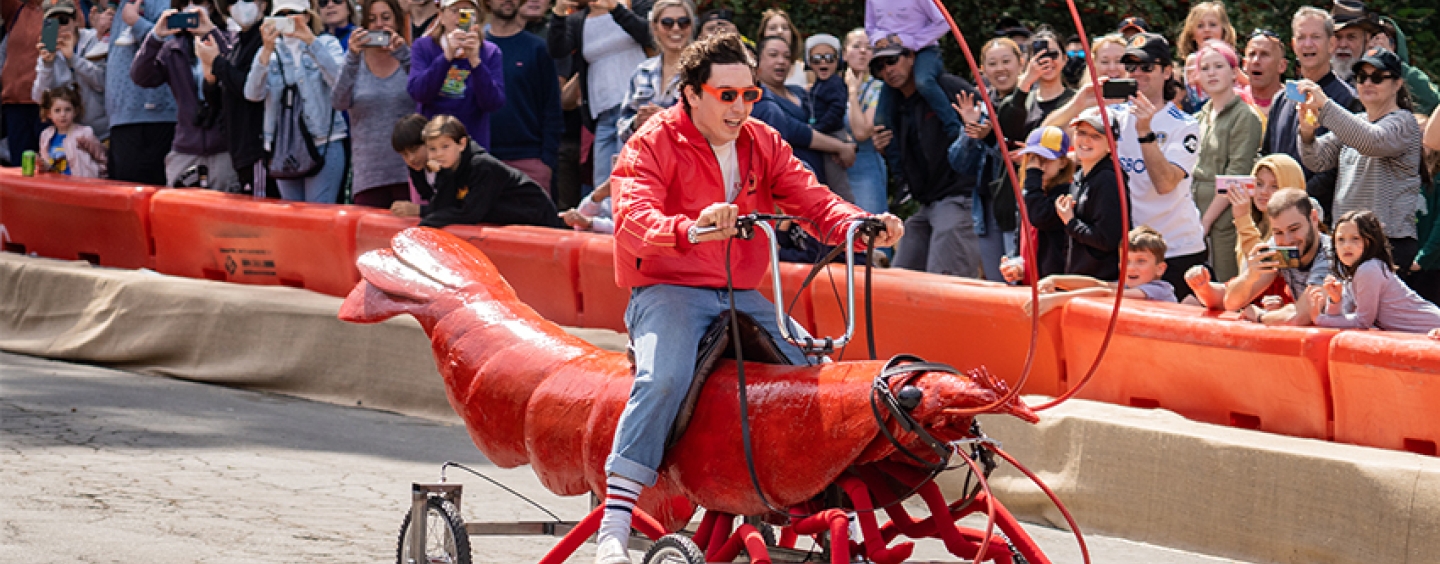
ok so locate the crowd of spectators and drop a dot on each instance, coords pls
(1239, 153)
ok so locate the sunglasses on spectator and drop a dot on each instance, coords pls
(879, 64)
(1142, 67)
(1260, 31)
(288, 13)
(323, 3)
(823, 58)
(682, 22)
(729, 95)
(62, 19)
(1375, 78)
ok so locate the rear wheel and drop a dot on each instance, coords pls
(674, 549)
(446, 541)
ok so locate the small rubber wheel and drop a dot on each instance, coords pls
(674, 549)
(446, 541)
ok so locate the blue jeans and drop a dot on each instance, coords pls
(868, 179)
(607, 144)
(324, 186)
(666, 324)
(927, 70)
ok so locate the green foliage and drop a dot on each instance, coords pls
(977, 18)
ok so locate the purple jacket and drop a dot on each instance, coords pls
(198, 127)
(454, 88)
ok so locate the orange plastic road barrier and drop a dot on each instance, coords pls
(541, 263)
(1220, 371)
(374, 231)
(604, 301)
(1386, 387)
(99, 221)
(204, 234)
(961, 322)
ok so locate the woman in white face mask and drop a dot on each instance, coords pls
(293, 53)
(244, 120)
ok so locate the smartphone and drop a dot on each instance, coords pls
(467, 19)
(1119, 89)
(50, 34)
(1287, 257)
(183, 20)
(1037, 47)
(1225, 183)
(1293, 93)
(379, 38)
(282, 24)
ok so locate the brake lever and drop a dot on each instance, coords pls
(745, 225)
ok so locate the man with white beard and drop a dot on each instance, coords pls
(1354, 25)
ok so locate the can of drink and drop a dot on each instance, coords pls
(27, 163)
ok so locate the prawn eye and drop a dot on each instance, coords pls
(909, 397)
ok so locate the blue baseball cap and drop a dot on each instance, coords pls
(1049, 142)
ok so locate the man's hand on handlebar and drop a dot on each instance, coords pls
(894, 229)
(721, 216)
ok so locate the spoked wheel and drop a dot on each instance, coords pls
(674, 549)
(446, 541)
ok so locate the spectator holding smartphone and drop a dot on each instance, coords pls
(299, 56)
(1376, 154)
(372, 88)
(78, 62)
(244, 120)
(455, 72)
(1230, 134)
(526, 131)
(142, 120)
(168, 56)
(1158, 146)
(605, 41)
(1294, 223)
(1364, 291)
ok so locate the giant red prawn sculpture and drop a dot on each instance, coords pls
(530, 393)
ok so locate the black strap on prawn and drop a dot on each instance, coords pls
(907, 368)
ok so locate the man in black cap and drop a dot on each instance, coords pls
(1312, 35)
(716, 21)
(941, 237)
(1354, 25)
(1016, 31)
(1158, 146)
(1132, 25)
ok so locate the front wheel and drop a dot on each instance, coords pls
(674, 549)
(446, 541)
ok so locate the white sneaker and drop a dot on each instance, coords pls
(612, 551)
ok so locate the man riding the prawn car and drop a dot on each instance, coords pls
(680, 185)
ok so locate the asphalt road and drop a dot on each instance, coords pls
(98, 465)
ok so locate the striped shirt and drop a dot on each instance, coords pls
(1378, 165)
(645, 89)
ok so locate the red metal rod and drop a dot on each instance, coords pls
(1079, 537)
(1028, 249)
(1124, 216)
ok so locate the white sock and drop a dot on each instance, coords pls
(620, 496)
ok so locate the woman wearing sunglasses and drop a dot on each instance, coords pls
(338, 19)
(656, 82)
(1376, 154)
(787, 109)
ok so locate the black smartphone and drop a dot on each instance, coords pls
(1119, 88)
(50, 34)
(379, 38)
(1037, 47)
(183, 20)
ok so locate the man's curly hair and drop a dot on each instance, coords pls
(698, 57)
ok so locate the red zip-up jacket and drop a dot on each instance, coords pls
(667, 174)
